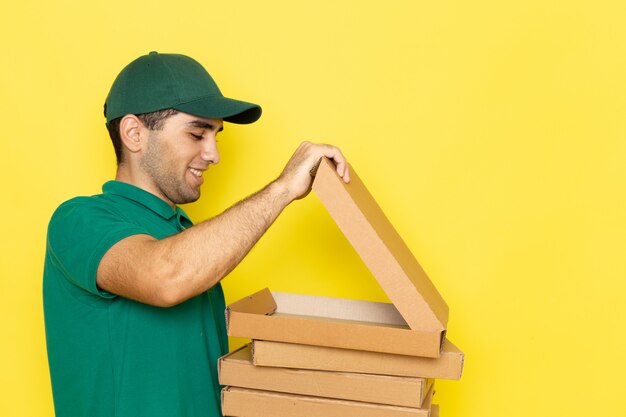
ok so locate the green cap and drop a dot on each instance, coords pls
(171, 81)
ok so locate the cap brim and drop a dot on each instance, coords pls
(219, 107)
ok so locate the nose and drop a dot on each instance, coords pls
(210, 153)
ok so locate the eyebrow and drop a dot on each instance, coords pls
(203, 125)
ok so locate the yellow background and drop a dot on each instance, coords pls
(492, 134)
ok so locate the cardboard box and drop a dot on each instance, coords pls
(236, 369)
(414, 325)
(449, 365)
(256, 403)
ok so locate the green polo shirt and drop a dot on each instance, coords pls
(114, 357)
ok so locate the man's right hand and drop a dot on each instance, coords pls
(297, 177)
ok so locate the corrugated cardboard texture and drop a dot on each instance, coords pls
(381, 248)
(255, 403)
(261, 324)
(449, 365)
(236, 369)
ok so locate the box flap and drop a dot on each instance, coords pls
(381, 248)
(261, 302)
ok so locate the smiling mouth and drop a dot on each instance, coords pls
(196, 172)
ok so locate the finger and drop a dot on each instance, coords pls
(340, 162)
(346, 175)
(342, 168)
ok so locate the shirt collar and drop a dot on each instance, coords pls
(144, 198)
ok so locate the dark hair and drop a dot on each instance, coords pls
(153, 121)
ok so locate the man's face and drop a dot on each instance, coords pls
(178, 154)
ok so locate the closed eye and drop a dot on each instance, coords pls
(197, 137)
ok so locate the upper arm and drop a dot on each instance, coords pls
(127, 269)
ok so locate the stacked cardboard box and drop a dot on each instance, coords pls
(320, 356)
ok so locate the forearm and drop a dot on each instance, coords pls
(169, 271)
(202, 255)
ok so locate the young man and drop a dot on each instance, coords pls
(134, 310)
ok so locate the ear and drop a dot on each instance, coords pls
(133, 133)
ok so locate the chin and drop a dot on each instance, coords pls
(187, 200)
(186, 197)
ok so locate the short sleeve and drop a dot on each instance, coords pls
(80, 232)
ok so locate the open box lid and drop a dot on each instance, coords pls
(381, 248)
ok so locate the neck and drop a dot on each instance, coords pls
(125, 173)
